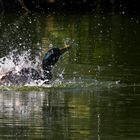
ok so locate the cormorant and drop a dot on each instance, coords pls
(25, 75)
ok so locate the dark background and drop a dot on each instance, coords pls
(125, 6)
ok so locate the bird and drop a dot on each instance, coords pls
(25, 75)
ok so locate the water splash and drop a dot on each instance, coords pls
(15, 62)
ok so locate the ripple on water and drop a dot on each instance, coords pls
(77, 84)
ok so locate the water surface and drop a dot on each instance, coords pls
(95, 89)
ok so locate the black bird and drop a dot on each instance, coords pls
(25, 75)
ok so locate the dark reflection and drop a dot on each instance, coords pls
(70, 114)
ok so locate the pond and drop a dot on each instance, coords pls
(95, 90)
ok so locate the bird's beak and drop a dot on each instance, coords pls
(65, 48)
(66, 45)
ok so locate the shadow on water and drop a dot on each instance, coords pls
(95, 89)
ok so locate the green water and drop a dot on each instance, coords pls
(95, 90)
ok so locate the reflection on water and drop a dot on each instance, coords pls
(95, 89)
(70, 114)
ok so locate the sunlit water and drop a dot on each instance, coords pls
(94, 93)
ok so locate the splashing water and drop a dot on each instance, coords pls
(15, 63)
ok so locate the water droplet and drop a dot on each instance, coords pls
(99, 68)
(117, 82)
(38, 43)
(64, 3)
(137, 21)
